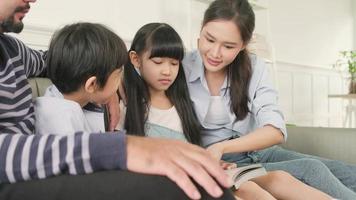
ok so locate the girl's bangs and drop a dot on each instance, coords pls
(165, 42)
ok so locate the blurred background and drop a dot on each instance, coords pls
(300, 41)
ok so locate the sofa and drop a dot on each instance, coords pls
(333, 143)
(39, 86)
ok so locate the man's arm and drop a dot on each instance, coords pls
(39, 156)
(34, 61)
(179, 161)
(25, 157)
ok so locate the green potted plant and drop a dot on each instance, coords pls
(348, 63)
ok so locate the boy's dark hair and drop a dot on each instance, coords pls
(79, 51)
(160, 40)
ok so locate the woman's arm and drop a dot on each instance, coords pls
(258, 139)
(268, 117)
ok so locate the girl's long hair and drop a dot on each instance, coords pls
(161, 40)
(239, 72)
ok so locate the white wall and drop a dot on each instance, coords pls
(354, 12)
(125, 17)
(57, 13)
(307, 36)
(311, 32)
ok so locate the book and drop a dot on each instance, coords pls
(240, 175)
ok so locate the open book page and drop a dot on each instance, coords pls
(240, 175)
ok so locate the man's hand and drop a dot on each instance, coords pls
(178, 161)
(114, 111)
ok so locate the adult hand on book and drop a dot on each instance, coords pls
(178, 161)
(216, 150)
(227, 165)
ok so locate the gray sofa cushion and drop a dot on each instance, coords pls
(333, 143)
(39, 86)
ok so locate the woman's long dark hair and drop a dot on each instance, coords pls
(161, 40)
(239, 71)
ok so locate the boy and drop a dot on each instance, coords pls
(84, 63)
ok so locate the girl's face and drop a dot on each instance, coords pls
(219, 43)
(158, 72)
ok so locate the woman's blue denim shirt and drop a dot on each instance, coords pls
(262, 104)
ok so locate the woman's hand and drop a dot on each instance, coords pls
(216, 150)
(227, 165)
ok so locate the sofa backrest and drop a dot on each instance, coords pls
(333, 143)
(39, 86)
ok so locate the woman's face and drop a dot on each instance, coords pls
(219, 43)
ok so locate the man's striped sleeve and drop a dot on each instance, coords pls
(24, 157)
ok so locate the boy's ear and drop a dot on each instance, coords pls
(135, 60)
(90, 85)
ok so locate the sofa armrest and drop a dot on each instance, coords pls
(333, 143)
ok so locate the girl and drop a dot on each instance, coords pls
(159, 105)
(237, 106)
(156, 88)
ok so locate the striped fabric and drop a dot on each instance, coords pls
(41, 153)
(18, 62)
(24, 156)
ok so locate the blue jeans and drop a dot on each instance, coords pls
(336, 178)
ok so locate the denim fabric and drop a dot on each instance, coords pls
(154, 130)
(336, 178)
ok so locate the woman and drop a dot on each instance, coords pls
(237, 105)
